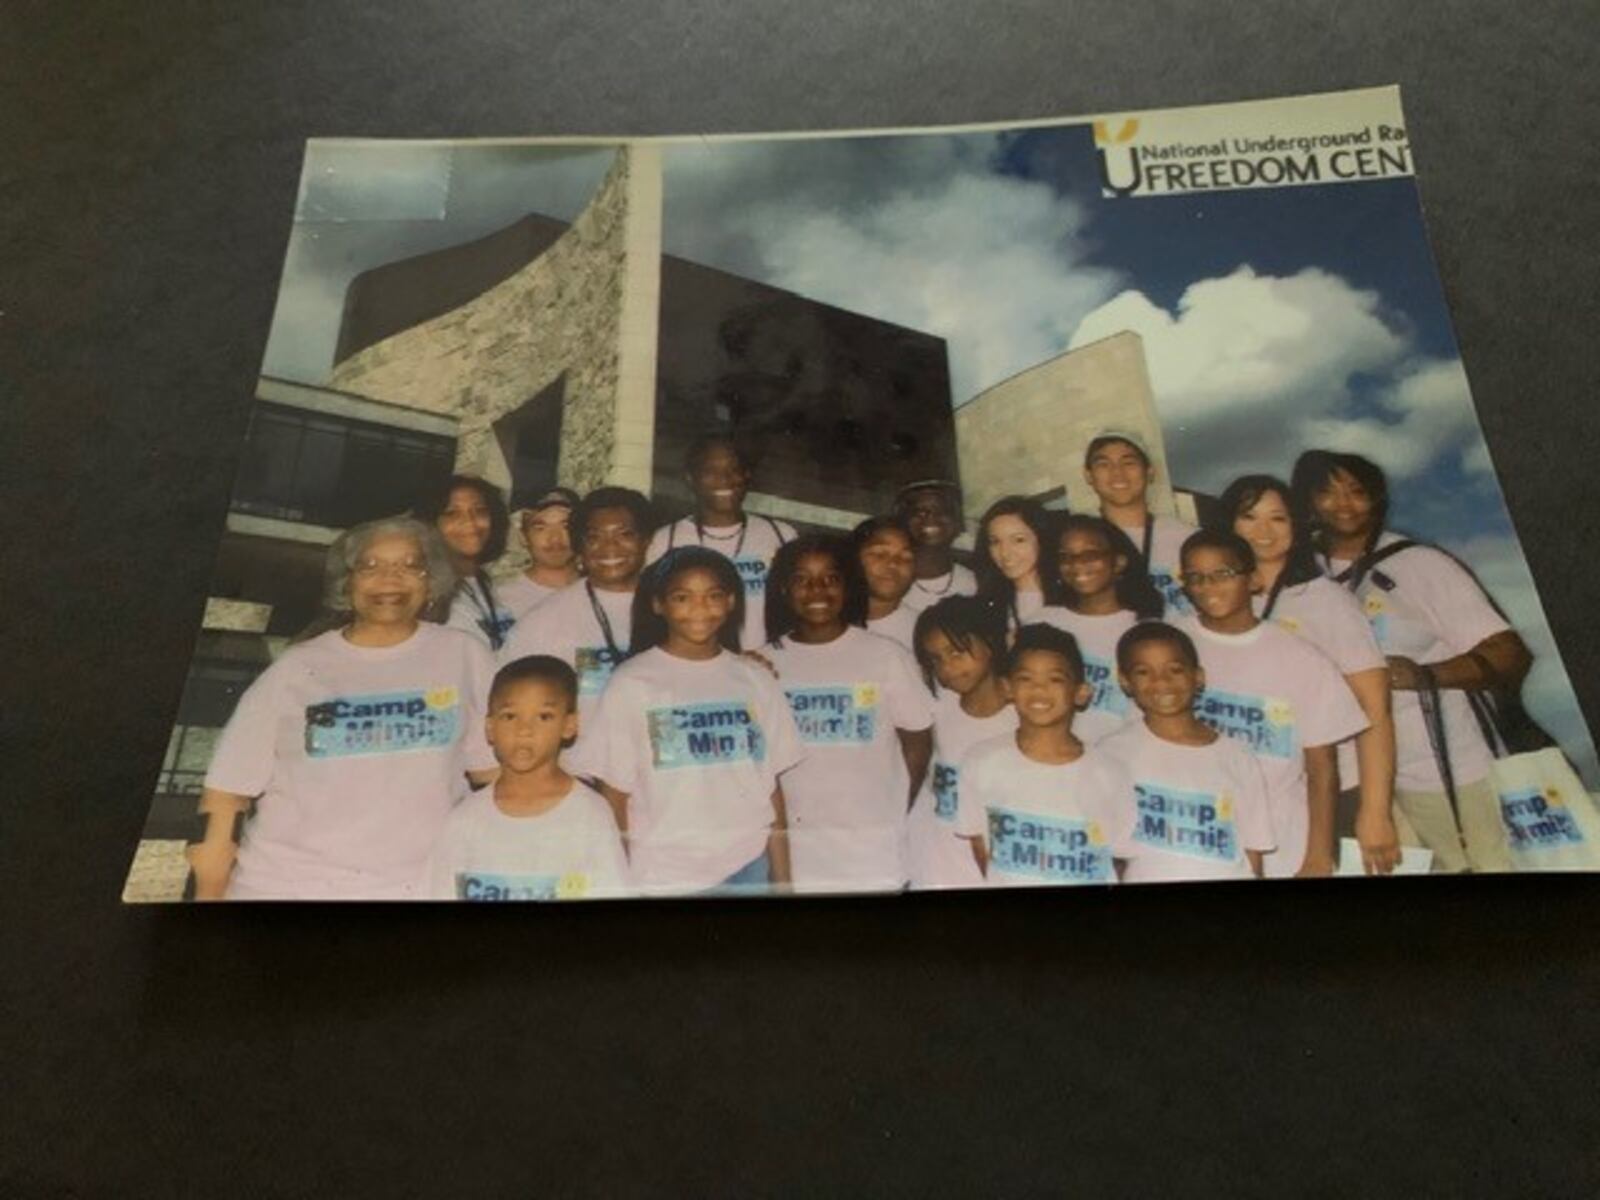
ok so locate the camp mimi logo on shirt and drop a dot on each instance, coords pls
(945, 780)
(1177, 600)
(382, 723)
(752, 573)
(1108, 696)
(1539, 819)
(704, 735)
(835, 715)
(1263, 723)
(1054, 849)
(1197, 824)
(481, 885)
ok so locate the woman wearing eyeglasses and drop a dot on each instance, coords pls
(347, 754)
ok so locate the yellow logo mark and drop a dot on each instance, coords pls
(1290, 624)
(1373, 604)
(1104, 137)
(1552, 796)
(866, 695)
(1280, 712)
(1096, 836)
(444, 697)
(573, 886)
(1225, 807)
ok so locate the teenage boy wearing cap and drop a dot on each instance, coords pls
(931, 510)
(553, 563)
(1119, 470)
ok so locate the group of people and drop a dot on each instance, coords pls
(727, 705)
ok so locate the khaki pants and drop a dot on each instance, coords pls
(1425, 819)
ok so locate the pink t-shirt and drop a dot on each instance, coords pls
(898, 627)
(1109, 708)
(1330, 618)
(519, 595)
(357, 755)
(849, 797)
(751, 546)
(1432, 610)
(698, 747)
(1167, 535)
(939, 857)
(1046, 823)
(925, 593)
(566, 626)
(571, 852)
(1278, 695)
(1197, 808)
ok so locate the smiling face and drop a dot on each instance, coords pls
(959, 668)
(719, 482)
(1344, 506)
(613, 549)
(1013, 547)
(528, 720)
(816, 591)
(695, 604)
(888, 561)
(1118, 474)
(930, 515)
(1267, 526)
(1217, 584)
(389, 582)
(1087, 564)
(1161, 679)
(1042, 687)
(464, 523)
(544, 532)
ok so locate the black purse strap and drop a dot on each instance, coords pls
(1433, 720)
(1359, 570)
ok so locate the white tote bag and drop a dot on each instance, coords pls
(1551, 822)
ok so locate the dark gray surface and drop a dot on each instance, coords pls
(1427, 1037)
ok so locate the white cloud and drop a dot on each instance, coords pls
(1248, 369)
(923, 232)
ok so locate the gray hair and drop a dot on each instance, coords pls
(351, 546)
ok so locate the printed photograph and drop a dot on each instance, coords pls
(1089, 502)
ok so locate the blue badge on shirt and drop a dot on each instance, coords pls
(839, 715)
(382, 723)
(1263, 723)
(1197, 824)
(945, 780)
(704, 735)
(594, 665)
(1054, 849)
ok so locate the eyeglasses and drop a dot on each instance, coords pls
(371, 568)
(1196, 579)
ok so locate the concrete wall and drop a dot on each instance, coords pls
(1029, 433)
(586, 307)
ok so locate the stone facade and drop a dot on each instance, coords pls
(1028, 434)
(585, 309)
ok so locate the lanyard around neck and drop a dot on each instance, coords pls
(604, 622)
(700, 535)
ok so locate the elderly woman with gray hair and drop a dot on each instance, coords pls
(351, 749)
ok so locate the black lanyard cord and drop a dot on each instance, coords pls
(604, 622)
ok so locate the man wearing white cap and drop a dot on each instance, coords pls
(1119, 470)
